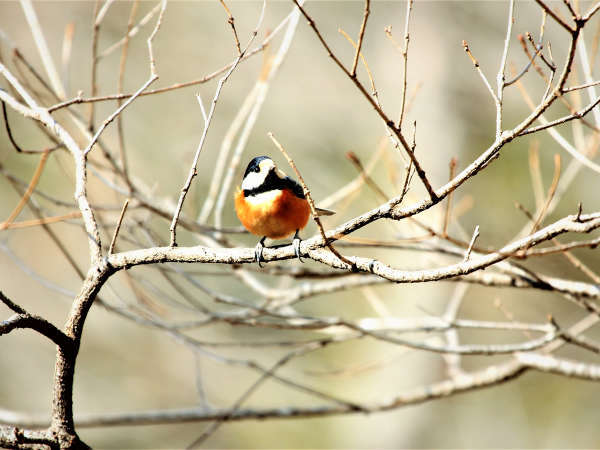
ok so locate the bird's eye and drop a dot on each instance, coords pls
(256, 169)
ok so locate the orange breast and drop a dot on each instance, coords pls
(275, 214)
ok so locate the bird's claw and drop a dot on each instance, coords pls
(258, 251)
(296, 243)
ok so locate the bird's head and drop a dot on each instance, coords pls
(257, 172)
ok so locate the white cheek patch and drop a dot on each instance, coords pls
(253, 180)
(263, 197)
(266, 164)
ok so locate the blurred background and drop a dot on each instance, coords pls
(319, 116)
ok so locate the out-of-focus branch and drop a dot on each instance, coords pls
(468, 382)
(42, 46)
(34, 180)
(42, 115)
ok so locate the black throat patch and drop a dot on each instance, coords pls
(273, 182)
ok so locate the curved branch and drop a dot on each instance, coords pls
(313, 248)
(22, 319)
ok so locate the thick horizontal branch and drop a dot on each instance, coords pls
(576, 288)
(313, 248)
(568, 224)
(560, 366)
(13, 437)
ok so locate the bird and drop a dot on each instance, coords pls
(272, 205)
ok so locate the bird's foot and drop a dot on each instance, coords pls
(296, 243)
(258, 251)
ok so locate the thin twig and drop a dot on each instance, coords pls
(525, 69)
(555, 16)
(453, 360)
(133, 31)
(113, 241)
(353, 186)
(80, 99)
(122, 62)
(32, 184)
(242, 398)
(12, 140)
(593, 10)
(394, 140)
(576, 115)
(365, 176)
(471, 244)
(561, 248)
(361, 35)
(390, 123)
(117, 112)
(574, 14)
(409, 5)
(151, 38)
(550, 195)
(581, 86)
(94, 69)
(556, 135)
(587, 73)
(152, 79)
(449, 200)
(476, 65)
(536, 174)
(43, 221)
(67, 53)
(500, 79)
(549, 63)
(231, 21)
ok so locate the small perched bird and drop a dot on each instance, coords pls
(271, 204)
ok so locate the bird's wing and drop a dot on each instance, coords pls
(294, 186)
(297, 189)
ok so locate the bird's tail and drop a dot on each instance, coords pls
(324, 212)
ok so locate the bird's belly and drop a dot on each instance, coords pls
(275, 214)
